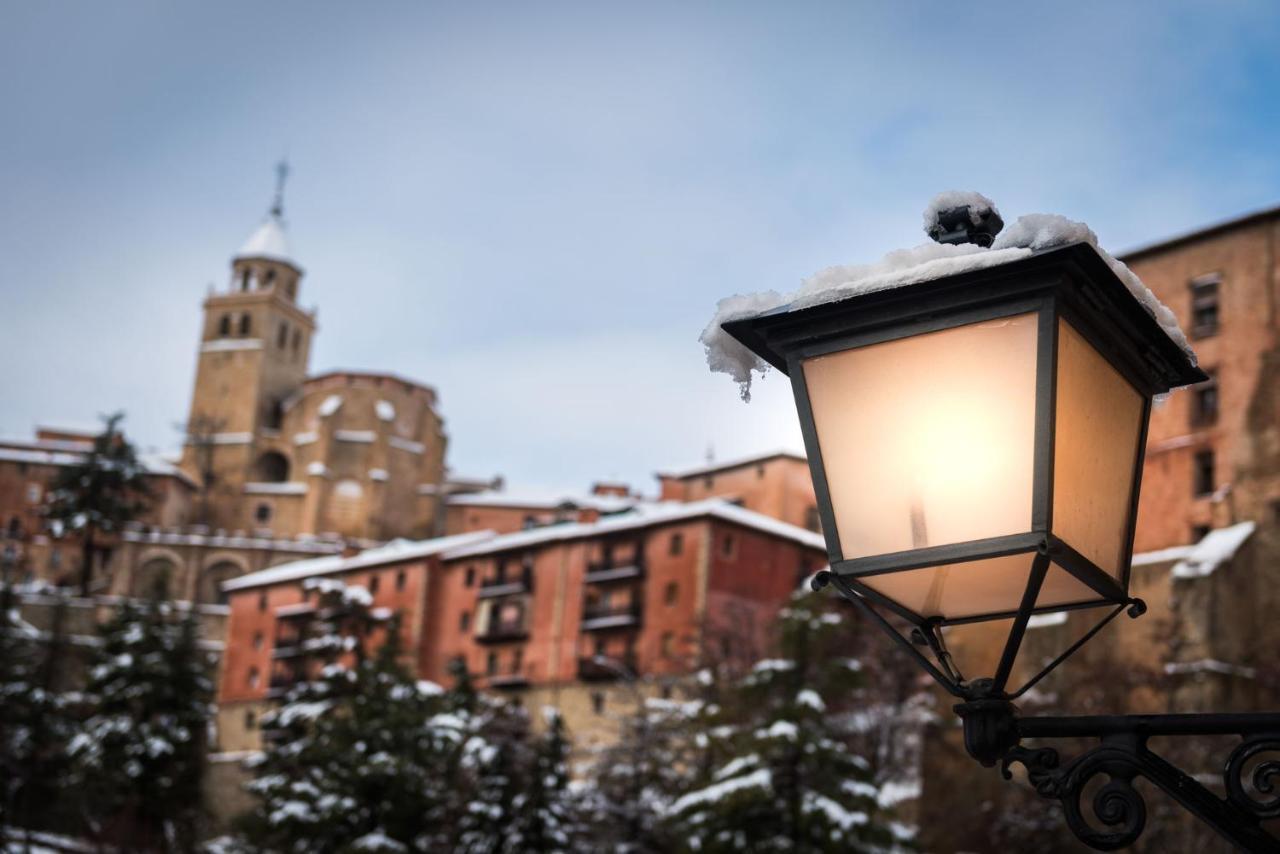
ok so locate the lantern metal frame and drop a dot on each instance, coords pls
(1073, 283)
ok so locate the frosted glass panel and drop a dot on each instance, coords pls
(978, 587)
(928, 440)
(1098, 420)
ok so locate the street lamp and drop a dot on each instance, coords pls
(976, 444)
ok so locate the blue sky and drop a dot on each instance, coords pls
(534, 207)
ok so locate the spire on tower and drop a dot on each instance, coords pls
(282, 174)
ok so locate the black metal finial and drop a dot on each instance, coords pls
(282, 174)
(966, 223)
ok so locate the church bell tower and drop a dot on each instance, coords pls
(255, 343)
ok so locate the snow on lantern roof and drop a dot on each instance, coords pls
(1029, 235)
(268, 242)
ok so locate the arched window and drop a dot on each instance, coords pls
(271, 277)
(153, 578)
(244, 280)
(246, 324)
(224, 326)
(271, 467)
(211, 581)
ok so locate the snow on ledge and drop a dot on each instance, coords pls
(1217, 547)
(1029, 234)
(1042, 621)
(1209, 665)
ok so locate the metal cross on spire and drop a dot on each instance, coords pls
(282, 174)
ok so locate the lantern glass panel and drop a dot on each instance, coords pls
(1098, 423)
(977, 587)
(928, 440)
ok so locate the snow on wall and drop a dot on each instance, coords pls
(1029, 234)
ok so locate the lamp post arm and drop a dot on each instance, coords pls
(1122, 755)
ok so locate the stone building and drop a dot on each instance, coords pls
(581, 615)
(351, 454)
(776, 484)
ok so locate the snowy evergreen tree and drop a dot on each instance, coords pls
(790, 782)
(361, 757)
(139, 757)
(35, 718)
(547, 814)
(97, 496)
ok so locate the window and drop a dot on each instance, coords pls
(224, 326)
(471, 576)
(529, 522)
(666, 643)
(244, 280)
(1199, 532)
(708, 481)
(250, 719)
(297, 341)
(282, 336)
(401, 578)
(812, 520)
(760, 471)
(1204, 306)
(677, 544)
(491, 664)
(15, 528)
(517, 660)
(375, 581)
(254, 677)
(671, 593)
(464, 621)
(726, 545)
(33, 493)
(597, 702)
(666, 690)
(257, 640)
(1203, 473)
(262, 513)
(262, 601)
(1204, 401)
(246, 324)
(271, 277)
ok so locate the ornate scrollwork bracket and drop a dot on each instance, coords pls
(1118, 810)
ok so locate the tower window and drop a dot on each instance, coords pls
(224, 326)
(1203, 473)
(246, 324)
(471, 576)
(271, 467)
(1204, 402)
(297, 341)
(271, 277)
(282, 336)
(262, 601)
(726, 545)
(400, 579)
(244, 280)
(671, 593)
(677, 544)
(262, 514)
(1204, 306)
(464, 621)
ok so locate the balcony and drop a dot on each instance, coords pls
(600, 618)
(601, 572)
(508, 681)
(505, 584)
(600, 668)
(502, 632)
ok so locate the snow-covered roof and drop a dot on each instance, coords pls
(486, 542)
(394, 551)
(268, 242)
(59, 453)
(1214, 549)
(736, 462)
(644, 516)
(533, 500)
(1027, 236)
